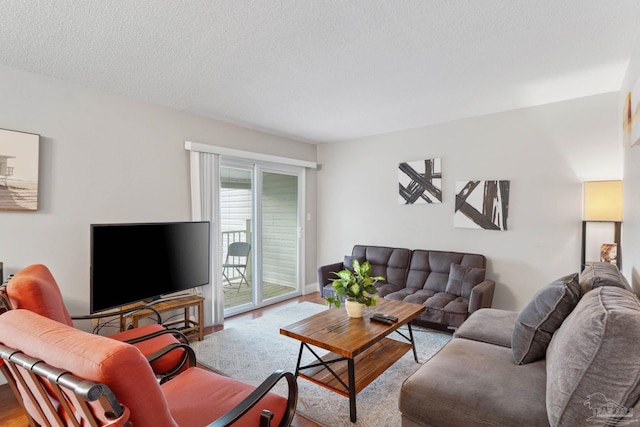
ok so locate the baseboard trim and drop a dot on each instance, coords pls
(310, 288)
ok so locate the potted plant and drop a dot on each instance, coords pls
(357, 287)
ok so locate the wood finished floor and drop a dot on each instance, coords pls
(11, 414)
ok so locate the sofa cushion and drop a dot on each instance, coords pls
(390, 263)
(441, 307)
(384, 289)
(537, 322)
(430, 269)
(602, 274)
(348, 261)
(471, 383)
(462, 279)
(489, 325)
(592, 360)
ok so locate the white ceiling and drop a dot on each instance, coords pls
(331, 70)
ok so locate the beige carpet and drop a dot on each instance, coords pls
(251, 351)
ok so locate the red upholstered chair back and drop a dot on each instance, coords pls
(33, 288)
(118, 365)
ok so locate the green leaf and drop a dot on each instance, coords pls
(371, 289)
(344, 275)
(332, 300)
(355, 289)
(365, 269)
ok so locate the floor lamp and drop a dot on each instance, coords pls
(603, 204)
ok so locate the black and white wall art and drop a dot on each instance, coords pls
(482, 204)
(420, 182)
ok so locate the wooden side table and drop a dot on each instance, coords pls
(189, 327)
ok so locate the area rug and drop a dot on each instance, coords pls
(251, 351)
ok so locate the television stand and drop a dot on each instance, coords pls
(191, 328)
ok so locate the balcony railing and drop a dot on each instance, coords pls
(232, 236)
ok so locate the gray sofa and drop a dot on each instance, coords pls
(569, 358)
(450, 285)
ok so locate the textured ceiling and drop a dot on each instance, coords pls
(328, 70)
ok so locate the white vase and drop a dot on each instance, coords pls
(354, 309)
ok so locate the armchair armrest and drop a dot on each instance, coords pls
(176, 333)
(125, 312)
(326, 273)
(251, 400)
(481, 295)
(189, 359)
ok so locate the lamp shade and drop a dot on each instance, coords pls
(603, 201)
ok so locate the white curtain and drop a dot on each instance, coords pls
(205, 187)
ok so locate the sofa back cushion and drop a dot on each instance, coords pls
(390, 263)
(430, 269)
(593, 366)
(602, 274)
(348, 262)
(539, 319)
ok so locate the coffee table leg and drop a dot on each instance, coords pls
(299, 358)
(352, 390)
(413, 343)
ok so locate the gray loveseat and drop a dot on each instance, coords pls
(450, 285)
(569, 358)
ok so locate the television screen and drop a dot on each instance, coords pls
(138, 262)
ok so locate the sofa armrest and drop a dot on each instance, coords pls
(326, 273)
(481, 295)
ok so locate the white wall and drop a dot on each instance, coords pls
(546, 152)
(631, 187)
(106, 158)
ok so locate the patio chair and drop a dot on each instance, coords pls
(70, 377)
(237, 259)
(34, 288)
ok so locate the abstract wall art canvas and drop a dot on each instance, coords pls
(420, 182)
(482, 204)
(18, 170)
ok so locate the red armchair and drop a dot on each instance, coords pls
(33, 288)
(112, 384)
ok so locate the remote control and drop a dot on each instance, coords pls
(381, 320)
(386, 316)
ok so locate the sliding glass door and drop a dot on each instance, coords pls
(261, 210)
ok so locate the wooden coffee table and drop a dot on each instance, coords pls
(359, 349)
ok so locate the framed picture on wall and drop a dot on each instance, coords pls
(631, 117)
(19, 153)
(609, 253)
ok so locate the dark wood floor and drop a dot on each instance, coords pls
(11, 414)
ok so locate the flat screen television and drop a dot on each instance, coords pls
(144, 261)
